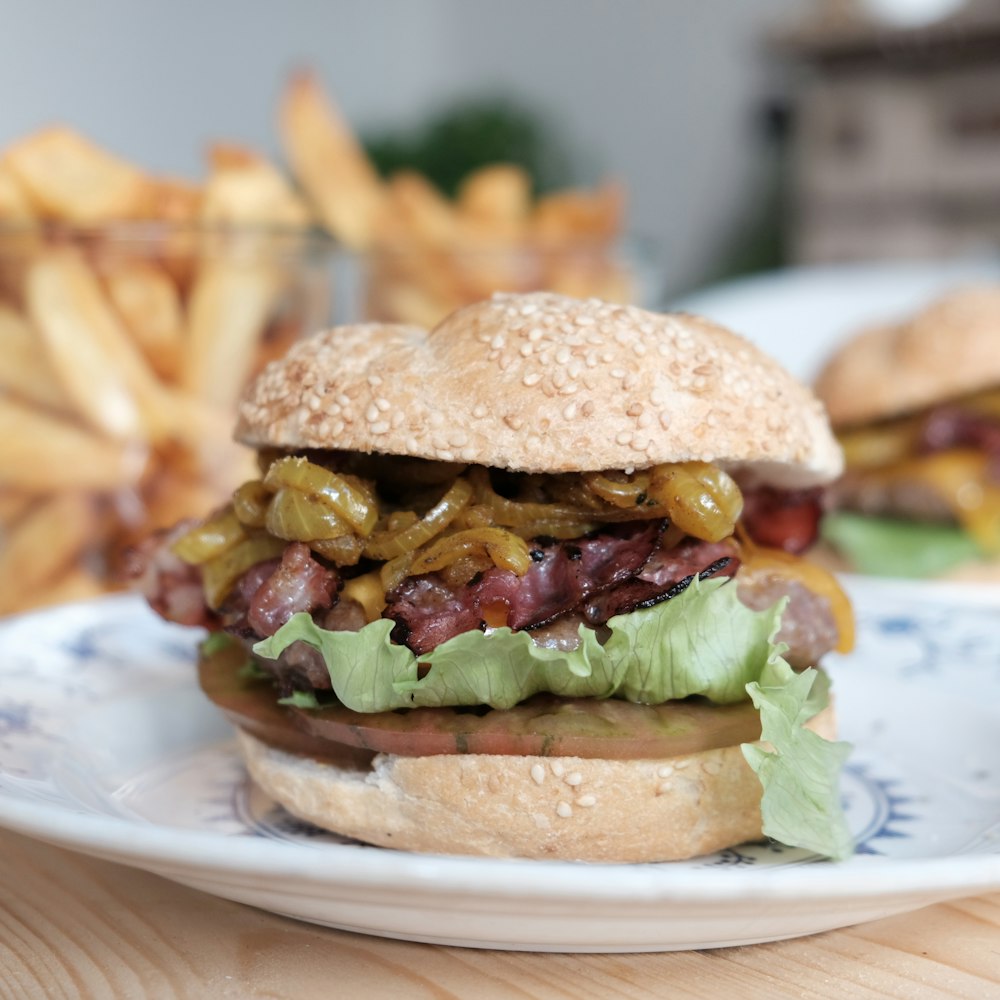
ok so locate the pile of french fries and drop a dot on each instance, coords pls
(133, 309)
(425, 254)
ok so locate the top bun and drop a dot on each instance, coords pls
(545, 383)
(948, 349)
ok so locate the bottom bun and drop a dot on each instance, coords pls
(567, 808)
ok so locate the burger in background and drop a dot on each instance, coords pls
(916, 407)
(527, 585)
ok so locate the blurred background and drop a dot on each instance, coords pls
(211, 161)
(746, 133)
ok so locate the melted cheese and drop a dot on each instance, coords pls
(960, 477)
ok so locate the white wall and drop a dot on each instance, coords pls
(659, 92)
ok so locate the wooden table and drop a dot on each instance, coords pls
(74, 927)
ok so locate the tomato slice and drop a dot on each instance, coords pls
(545, 725)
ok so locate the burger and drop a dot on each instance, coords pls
(527, 585)
(916, 406)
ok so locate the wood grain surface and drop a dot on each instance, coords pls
(73, 927)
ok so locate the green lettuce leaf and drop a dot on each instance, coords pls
(800, 772)
(704, 641)
(885, 546)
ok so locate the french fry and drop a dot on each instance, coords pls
(174, 200)
(13, 503)
(229, 307)
(68, 177)
(102, 370)
(245, 189)
(566, 216)
(416, 213)
(15, 205)
(25, 370)
(149, 304)
(46, 541)
(497, 197)
(238, 284)
(40, 453)
(74, 584)
(330, 163)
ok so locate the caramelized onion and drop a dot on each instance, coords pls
(389, 544)
(219, 574)
(504, 548)
(352, 499)
(343, 551)
(630, 491)
(700, 498)
(299, 518)
(211, 538)
(250, 503)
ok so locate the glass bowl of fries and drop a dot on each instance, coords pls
(124, 348)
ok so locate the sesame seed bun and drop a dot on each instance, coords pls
(559, 808)
(948, 349)
(546, 383)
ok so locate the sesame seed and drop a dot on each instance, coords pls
(573, 778)
(586, 801)
(537, 773)
(527, 350)
(557, 768)
(564, 809)
(663, 788)
(562, 355)
(498, 341)
(383, 404)
(681, 764)
(532, 378)
(617, 372)
(479, 411)
(623, 437)
(382, 427)
(712, 767)
(665, 771)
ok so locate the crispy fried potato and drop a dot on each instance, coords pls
(68, 177)
(243, 188)
(416, 213)
(74, 584)
(229, 308)
(25, 371)
(149, 305)
(330, 163)
(40, 453)
(498, 197)
(566, 216)
(98, 364)
(172, 199)
(15, 205)
(13, 503)
(47, 541)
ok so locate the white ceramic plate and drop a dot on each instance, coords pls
(107, 747)
(800, 314)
